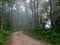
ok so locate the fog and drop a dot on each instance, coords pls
(22, 13)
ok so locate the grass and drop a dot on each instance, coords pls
(3, 37)
(46, 35)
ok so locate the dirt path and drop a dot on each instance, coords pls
(18, 38)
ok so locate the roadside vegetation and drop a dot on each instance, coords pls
(47, 35)
(7, 30)
(3, 37)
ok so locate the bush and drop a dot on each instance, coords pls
(3, 36)
(2, 39)
(45, 34)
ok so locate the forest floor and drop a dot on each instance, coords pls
(19, 38)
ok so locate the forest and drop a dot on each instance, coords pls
(39, 19)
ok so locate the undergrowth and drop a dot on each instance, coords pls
(47, 35)
(3, 37)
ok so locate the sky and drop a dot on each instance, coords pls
(23, 8)
(47, 0)
(28, 1)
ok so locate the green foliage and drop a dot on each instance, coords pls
(56, 16)
(2, 40)
(45, 34)
(57, 24)
(3, 37)
(7, 25)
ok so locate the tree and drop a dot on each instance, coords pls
(36, 13)
(31, 6)
(2, 16)
(51, 11)
(59, 2)
(56, 15)
(5, 15)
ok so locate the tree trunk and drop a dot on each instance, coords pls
(51, 13)
(37, 15)
(2, 16)
(59, 2)
(35, 21)
(31, 6)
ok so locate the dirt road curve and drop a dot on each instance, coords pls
(18, 38)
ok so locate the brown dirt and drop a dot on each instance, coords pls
(19, 38)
